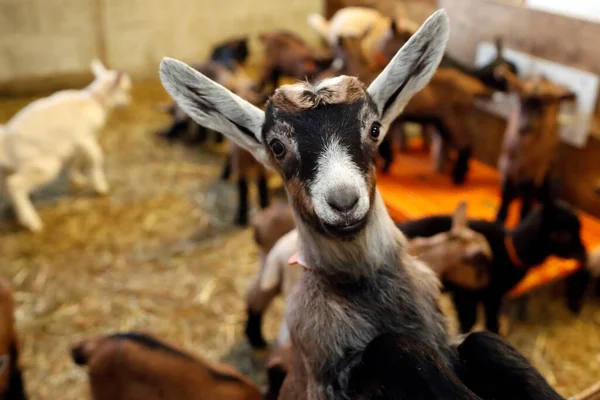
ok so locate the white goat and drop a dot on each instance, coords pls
(359, 22)
(37, 142)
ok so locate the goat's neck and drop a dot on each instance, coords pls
(377, 246)
(98, 90)
(529, 250)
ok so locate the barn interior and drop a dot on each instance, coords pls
(169, 250)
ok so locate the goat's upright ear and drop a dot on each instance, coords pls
(214, 107)
(411, 68)
(98, 69)
(459, 218)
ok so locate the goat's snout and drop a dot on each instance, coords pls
(344, 199)
(78, 354)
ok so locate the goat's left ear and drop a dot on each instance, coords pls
(411, 68)
(98, 69)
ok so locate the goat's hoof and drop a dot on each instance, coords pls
(34, 226)
(101, 190)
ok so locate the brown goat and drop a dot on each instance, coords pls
(287, 54)
(135, 366)
(446, 102)
(530, 142)
(11, 379)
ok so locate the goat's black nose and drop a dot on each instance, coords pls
(343, 199)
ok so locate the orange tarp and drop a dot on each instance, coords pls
(413, 190)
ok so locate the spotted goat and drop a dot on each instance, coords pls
(359, 281)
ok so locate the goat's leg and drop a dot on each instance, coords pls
(402, 137)
(493, 369)
(509, 192)
(527, 192)
(77, 174)
(427, 132)
(21, 183)
(93, 154)
(196, 133)
(577, 285)
(226, 172)
(174, 130)
(242, 213)
(461, 167)
(386, 153)
(439, 152)
(491, 305)
(466, 307)
(258, 302)
(263, 189)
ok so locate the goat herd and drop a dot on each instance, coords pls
(362, 315)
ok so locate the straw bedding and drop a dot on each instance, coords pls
(159, 254)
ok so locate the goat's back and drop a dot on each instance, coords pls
(137, 367)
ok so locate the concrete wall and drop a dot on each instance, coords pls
(46, 40)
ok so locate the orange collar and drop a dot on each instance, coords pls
(512, 252)
(296, 259)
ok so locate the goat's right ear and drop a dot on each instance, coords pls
(214, 107)
(411, 68)
(98, 69)
(459, 218)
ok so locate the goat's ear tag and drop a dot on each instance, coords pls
(4, 361)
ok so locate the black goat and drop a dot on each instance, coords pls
(395, 367)
(486, 73)
(551, 229)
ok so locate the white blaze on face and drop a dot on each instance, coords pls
(335, 171)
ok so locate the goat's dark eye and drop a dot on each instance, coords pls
(278, 148)
(374, 132)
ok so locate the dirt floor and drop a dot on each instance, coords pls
(160, 254)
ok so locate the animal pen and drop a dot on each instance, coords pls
(161, 261)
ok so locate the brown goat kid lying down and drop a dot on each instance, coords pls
(135, 366)
(530, 142)
(460, 256)
(11, 377)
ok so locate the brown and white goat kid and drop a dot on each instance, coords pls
(323, 140)
(372, 26)
(134, 366)
(269, 226)
(460, 256)
(530, 143)
(11, 377)
(41, 138)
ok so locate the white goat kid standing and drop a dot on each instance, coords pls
(37, 142)
(323, 141)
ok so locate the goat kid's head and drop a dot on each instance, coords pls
(539, 100)
(115, 86)
(322, 139)
(461, 255)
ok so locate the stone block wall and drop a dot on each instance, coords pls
(42, 39)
